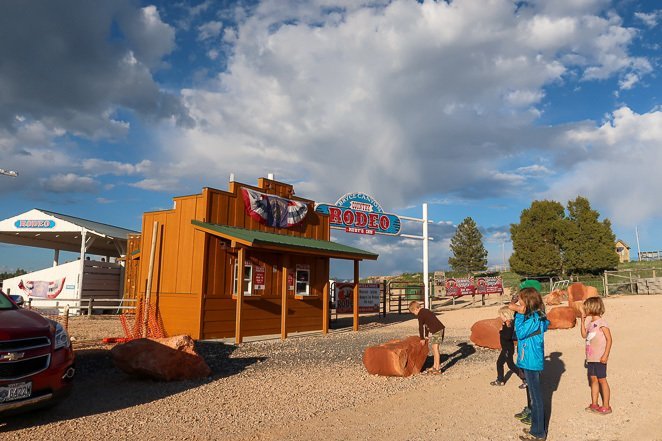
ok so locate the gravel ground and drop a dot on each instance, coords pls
(315, 388)
(254, 385)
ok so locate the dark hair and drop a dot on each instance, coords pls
(532, 300)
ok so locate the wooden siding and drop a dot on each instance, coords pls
(260, 316)
(193, 270)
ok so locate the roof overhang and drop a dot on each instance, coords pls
(283, 243)
(45, 229)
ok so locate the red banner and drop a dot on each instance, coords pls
(489, 285)
(460, 287)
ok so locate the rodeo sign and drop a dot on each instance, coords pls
(360, 213)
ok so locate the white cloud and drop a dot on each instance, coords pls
(154, 184)
(69, 183)
(209, 30)
(534, 170)
(337, 101)
(649, 19)
(98, 167)
(79, 80)
(621, 175)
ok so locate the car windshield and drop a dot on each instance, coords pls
(5, 303)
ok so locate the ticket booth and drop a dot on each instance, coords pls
(252, 260)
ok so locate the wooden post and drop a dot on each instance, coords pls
(325, 307)
(148, 290)
(90, 307)
(241, 258)
(65, 320)
(385, 297)
(283, 300)
(356, 295)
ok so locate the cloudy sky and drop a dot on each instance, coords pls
(477, 107)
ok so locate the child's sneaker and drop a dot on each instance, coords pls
(497, 383)
(603, 410)
(592, 408)
(524, 413)
(526, 419)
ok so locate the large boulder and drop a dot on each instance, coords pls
(485, 333)
(167, 359)
(396, 358)
(577, 293)
(561, 317)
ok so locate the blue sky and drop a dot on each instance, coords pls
(109, 109)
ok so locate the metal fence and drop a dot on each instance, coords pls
(401, 293)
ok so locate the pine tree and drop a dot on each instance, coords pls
(588, 244)
(469, 254)
(536, 240)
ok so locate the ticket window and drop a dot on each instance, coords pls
(302, 282)
(248, 279)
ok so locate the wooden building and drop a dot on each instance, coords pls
(231, 264)
(623, 251)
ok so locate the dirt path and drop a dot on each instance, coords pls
(315, 388)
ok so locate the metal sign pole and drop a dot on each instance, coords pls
(426, 278)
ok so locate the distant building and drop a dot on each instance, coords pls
(623, 251)
(650, 255)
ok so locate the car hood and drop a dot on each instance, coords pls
(21, 323)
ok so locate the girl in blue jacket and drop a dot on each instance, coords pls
(530, 326)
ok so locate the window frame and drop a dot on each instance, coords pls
(297, 281)
(248, 282)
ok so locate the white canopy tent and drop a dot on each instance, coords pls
(47, 229)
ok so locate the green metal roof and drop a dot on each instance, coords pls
(261, 238)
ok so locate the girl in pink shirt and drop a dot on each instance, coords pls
(596, 331)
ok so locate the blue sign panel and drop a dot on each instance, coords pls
(34, 223)
(360, 213)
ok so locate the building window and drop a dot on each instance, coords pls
(303, 282)
(619, 249)
(248, 279)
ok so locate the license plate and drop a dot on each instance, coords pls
(15, 391)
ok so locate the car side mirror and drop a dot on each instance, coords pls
(18, 300)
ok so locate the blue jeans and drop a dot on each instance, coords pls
(537, 407)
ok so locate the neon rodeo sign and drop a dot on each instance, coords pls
(360, 213)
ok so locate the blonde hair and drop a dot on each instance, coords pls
(532, 300)
(414, 305)
(506, 313)
(594, 306)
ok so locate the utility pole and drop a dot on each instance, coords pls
(636, 232)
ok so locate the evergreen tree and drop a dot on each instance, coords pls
(588, 244)
(469, 254)
(536, 240)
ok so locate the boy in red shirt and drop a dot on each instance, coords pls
(429, 327)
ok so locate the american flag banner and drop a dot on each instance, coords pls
(272, 210)
(42, 289)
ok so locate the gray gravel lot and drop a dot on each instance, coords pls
(254, 386)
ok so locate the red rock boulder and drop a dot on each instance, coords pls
(577, 293)
(167, 359)
(396, 358)
(485, 333)
(562, 317)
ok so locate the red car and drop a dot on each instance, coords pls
(36, 358)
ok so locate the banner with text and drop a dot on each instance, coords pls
(458, 287)
(369, 296)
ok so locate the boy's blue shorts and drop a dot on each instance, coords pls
(597, 369)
